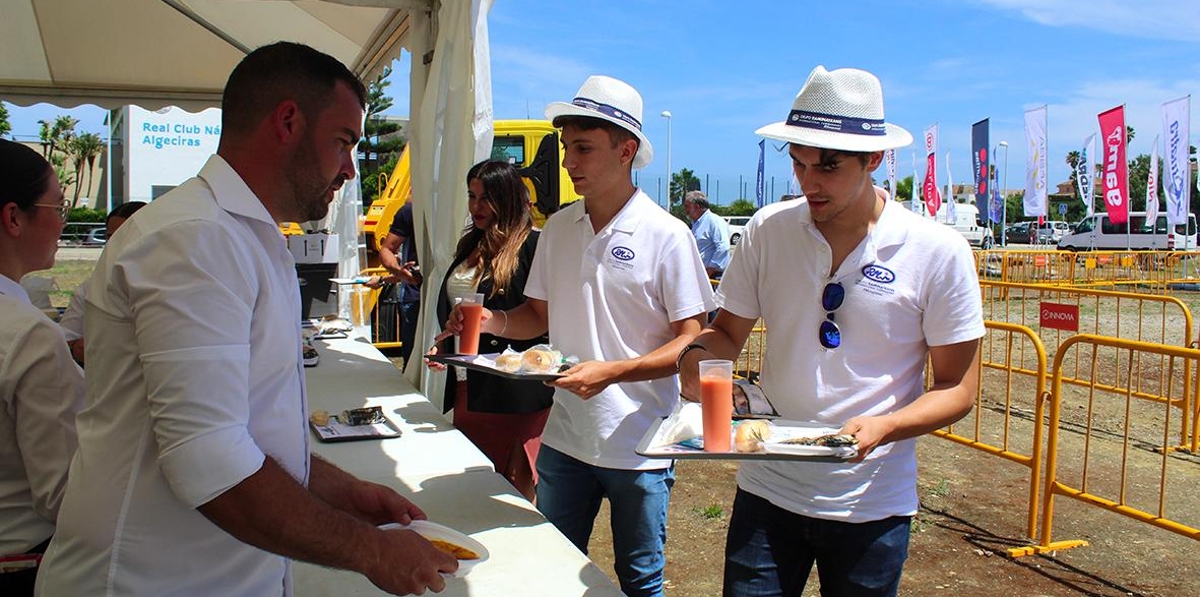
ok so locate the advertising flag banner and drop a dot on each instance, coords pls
(1116, 169)
(915, 203)
(890, 155)
(933, 195)
(1176, 130)
(980, 165)
(951, 211)
(1035, 162)
(996, 205)
(1152, 189)
(1083, 174)
(759, 183)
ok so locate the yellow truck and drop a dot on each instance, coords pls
(532, 145)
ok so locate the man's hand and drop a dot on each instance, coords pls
(590, 377)
(870, 432)
(407, 564)
(378, 504)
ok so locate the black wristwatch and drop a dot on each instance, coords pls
(686, 349)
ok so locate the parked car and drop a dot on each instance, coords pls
(96, 236)
(1052, 232)
(1019, 233)
(736, 224)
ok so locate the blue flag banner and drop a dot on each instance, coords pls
(759, 183)
(996, 205)
(980, 161)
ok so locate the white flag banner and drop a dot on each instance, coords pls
(891, 172)
(1176, 125)
(916, 187)
(1083, 175)
(951, 211)
(1152, 189)
(1035, 162)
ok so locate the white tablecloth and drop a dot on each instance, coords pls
(436, 467)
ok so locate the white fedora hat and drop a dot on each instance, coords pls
(840, 109)
(613, 100)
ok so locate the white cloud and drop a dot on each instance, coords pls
(1153, 19)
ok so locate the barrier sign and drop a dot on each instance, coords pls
(1060, 317)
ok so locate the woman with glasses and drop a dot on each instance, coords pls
(41, 388)
(503, 417)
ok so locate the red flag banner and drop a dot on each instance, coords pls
(933, 198)
(1116, 169)
(1060, 317)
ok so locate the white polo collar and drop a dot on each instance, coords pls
(627, 219)
(12, 288)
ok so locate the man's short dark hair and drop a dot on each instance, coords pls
(124, 210)
(828, 154)
(279, 72)
(617, 133)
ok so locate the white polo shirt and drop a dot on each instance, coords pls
(613, 296)
(910, 284)
(41, 389)
(194, 373)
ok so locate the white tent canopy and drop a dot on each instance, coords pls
(154, 53)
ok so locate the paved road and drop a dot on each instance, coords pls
(78, 253)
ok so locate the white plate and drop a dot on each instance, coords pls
(433, 530)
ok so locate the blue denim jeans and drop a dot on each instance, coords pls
(569, 494)
(770, 551)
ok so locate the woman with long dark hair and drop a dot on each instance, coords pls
(41, 388)
(503, 417)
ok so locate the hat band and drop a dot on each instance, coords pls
(837, 124)
(607, 110)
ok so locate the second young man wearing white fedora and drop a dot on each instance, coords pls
(854, 291)
(620, 285)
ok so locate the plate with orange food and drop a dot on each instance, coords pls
(468, 551)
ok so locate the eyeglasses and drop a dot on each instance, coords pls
(63, 208)
(831, 298)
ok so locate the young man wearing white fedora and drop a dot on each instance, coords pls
(619, 283)
(854, 291)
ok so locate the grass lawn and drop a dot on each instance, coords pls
(68, 275)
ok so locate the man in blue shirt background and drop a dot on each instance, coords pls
(711, 232)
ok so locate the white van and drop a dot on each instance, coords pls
(966, 222)
(1098, 232)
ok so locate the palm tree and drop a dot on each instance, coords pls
(1073, 161)
(681, 182)
(61, 132)
(5, 126)
(83, 150)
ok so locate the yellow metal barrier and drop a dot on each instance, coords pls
(1105, 439)
(1157, 319)
(749, 363)
(981, 430)
(1147, 271)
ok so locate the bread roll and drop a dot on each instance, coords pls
(751, 434)
(539, 361)
(319, 417)
(510, 362)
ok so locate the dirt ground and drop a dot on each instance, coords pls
(974, 505)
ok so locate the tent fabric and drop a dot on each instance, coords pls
(451, 132)
(155, 53)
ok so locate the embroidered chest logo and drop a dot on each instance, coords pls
(621, 257)
(877, 280)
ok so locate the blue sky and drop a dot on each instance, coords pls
(724, 69)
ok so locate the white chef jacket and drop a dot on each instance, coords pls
(41, 389)
(71, 321)
(194, 374)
